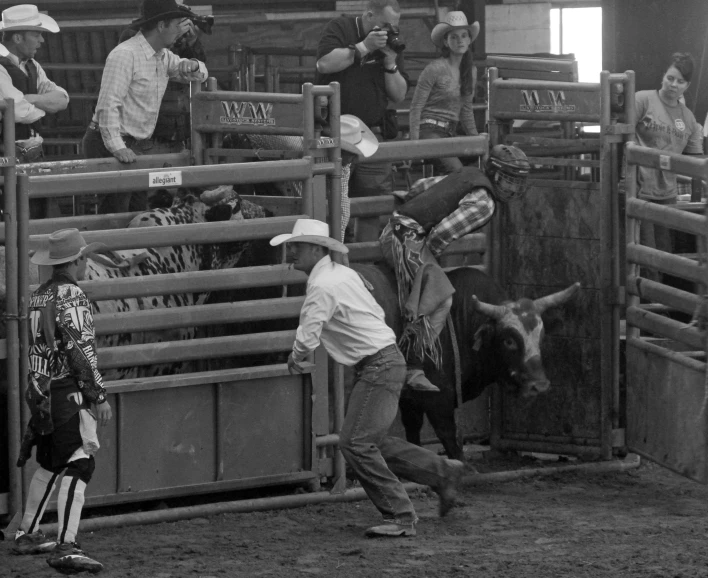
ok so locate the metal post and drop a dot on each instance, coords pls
(23, 217)
(14, 397)
(195, 88)
(335, 155)
(215, 139)
(630, 188)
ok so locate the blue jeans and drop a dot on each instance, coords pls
(377, 459)
(442, 166)
(370, 179)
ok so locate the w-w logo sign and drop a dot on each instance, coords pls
(556, 102)
(246, 112)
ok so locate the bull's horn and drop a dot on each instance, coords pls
(555, 299)
(496, 312)
(217, 195)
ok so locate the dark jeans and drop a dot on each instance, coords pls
(92, 147)
(376, 458)
(442, 166)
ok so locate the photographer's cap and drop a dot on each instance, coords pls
(162, 10)
(356, 137)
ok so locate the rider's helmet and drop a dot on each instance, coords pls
(508, 169)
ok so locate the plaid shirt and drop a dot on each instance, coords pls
(473, 212)
(134, 81)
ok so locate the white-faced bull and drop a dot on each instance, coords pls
(499, 341)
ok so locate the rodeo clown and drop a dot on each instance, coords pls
(64, 386)
(437, 211)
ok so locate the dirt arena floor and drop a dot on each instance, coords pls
(645, 522)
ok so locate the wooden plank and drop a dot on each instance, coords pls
(192, 234)
(666, 418)
(194, 349)
(198, 315)
(554, 162)
(230, 377)
(575, 213)
(371, 251)
(372, 206)
(192, 282)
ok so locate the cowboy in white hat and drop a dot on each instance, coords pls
(126, 112)
(23, 80)
(341, 313)
(67, 400)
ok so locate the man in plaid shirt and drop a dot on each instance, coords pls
(134, 81)
(439, 210)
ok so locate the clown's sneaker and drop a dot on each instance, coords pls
(35, 543)
(70, 559)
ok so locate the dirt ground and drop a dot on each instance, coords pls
(646, 523)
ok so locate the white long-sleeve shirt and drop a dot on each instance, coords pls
(341, 312)
(25, 112)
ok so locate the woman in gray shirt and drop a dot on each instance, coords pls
(445, 89)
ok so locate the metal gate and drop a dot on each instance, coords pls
(564, 230)
(667, 387)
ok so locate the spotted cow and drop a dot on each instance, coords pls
(221, 204)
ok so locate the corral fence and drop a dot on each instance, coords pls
(667, 375)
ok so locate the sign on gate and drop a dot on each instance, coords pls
(165, 179)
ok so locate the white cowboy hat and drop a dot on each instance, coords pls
(27, 17)
(310, 231)
(356, 137)
(64, 246)
(454, 20)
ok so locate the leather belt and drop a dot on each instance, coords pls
(446, 124)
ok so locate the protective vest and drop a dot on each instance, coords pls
(433, 205)
(26, 84)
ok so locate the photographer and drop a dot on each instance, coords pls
(132, 87)
(365, 56)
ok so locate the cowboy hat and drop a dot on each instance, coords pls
(356, 137)
(64, 246)
(310, 231)
(26, 17)
(161, 10)
(454, 20)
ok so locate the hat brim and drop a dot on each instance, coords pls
(165, 16)
(366, 147)
(41, 256)
(328, 242)
(46, 24)
(441, 29)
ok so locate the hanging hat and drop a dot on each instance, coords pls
(356, 137)
(26, 17)
(64, 246)
(454, 20)
(310, 231)
(161, 10)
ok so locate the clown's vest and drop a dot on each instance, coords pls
(432, 206)
(26, 84)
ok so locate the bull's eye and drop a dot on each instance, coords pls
(510, 343)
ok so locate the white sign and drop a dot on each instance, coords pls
(165, 179)
(665, 162)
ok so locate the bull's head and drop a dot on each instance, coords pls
(517, 334)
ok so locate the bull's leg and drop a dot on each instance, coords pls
(443, 421)
(412, 419)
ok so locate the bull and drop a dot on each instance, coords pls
(499, 341)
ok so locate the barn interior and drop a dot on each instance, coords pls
(269, 46)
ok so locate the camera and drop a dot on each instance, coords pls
(392, 40)
(204, 23)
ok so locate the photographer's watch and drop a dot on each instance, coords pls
(393, 70)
